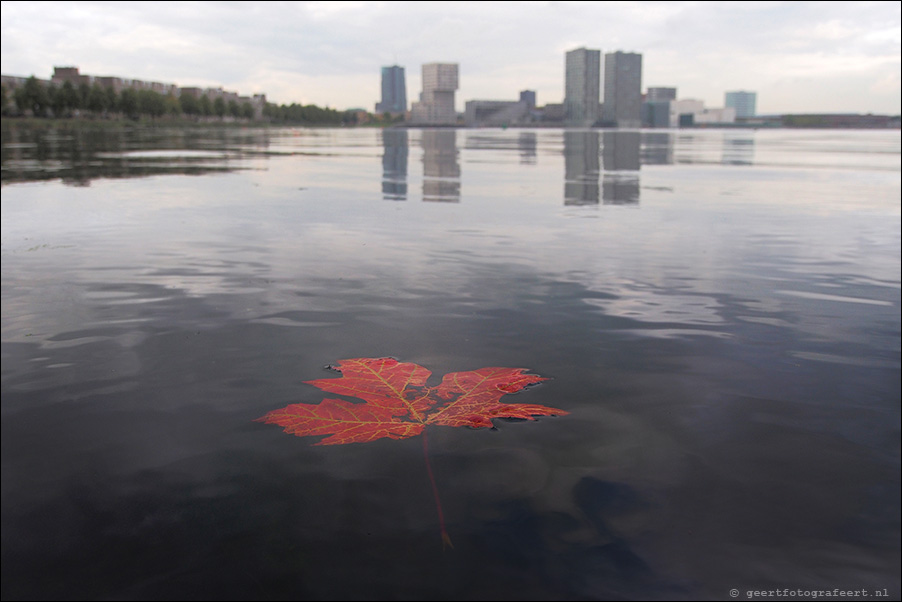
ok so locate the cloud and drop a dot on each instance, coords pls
(330, 53)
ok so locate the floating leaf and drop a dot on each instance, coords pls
(345, 422)
(398, 404)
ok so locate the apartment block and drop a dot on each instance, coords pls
(582, 73)
(436, 104)
(744, 102)
(623, 89)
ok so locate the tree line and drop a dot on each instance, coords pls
(67, 100)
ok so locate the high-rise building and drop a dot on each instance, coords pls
(743, 102)
(623, 89)
(436, 104)
(394, 91)
(582, 71)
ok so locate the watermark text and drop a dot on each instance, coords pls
(799, 593)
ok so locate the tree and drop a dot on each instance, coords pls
(112, 101)
(66, 100)
(53, 98)
(206, 107)
(19, 99)
(151, 103)
(172, 105)
(219, 107)
(189, 104)
(309, 114)
(84, 91)
(97, 100)
(128, 103)
(247, 111)
(33, 97)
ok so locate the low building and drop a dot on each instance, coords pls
(496, 113)
(61, 75)
(682, 112)
(715, 116)
(656, 114)
(553, 113)
(656, 94)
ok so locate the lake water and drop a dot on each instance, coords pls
(718, 311)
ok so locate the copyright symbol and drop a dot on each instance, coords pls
(734, 593)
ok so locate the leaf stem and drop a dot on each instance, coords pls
(446, 540)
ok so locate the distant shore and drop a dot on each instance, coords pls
(870, 122)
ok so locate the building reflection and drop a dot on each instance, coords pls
(527, 143)
(657, 148)
(581, 167)
(620, 155)
(441, 168)
(394, 164)
(738, 149)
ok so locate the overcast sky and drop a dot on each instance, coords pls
(798, 56)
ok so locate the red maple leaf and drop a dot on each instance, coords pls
(399, 404)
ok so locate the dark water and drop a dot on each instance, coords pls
(719, 312)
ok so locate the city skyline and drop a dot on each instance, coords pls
(799, 57)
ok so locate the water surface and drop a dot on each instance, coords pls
(719, 312)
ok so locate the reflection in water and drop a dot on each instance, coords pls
(581, 167)
(738, 149)
(620, 151)
(657, 148)
(620, 189)
(527, 143)
(394, 164)
(441, 168)
(81, 153)
(734, 413)
(731, 147)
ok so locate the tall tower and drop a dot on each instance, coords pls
(436, 105)
(394, 91)
(581, 86)
(743, 102)
(623, 89)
